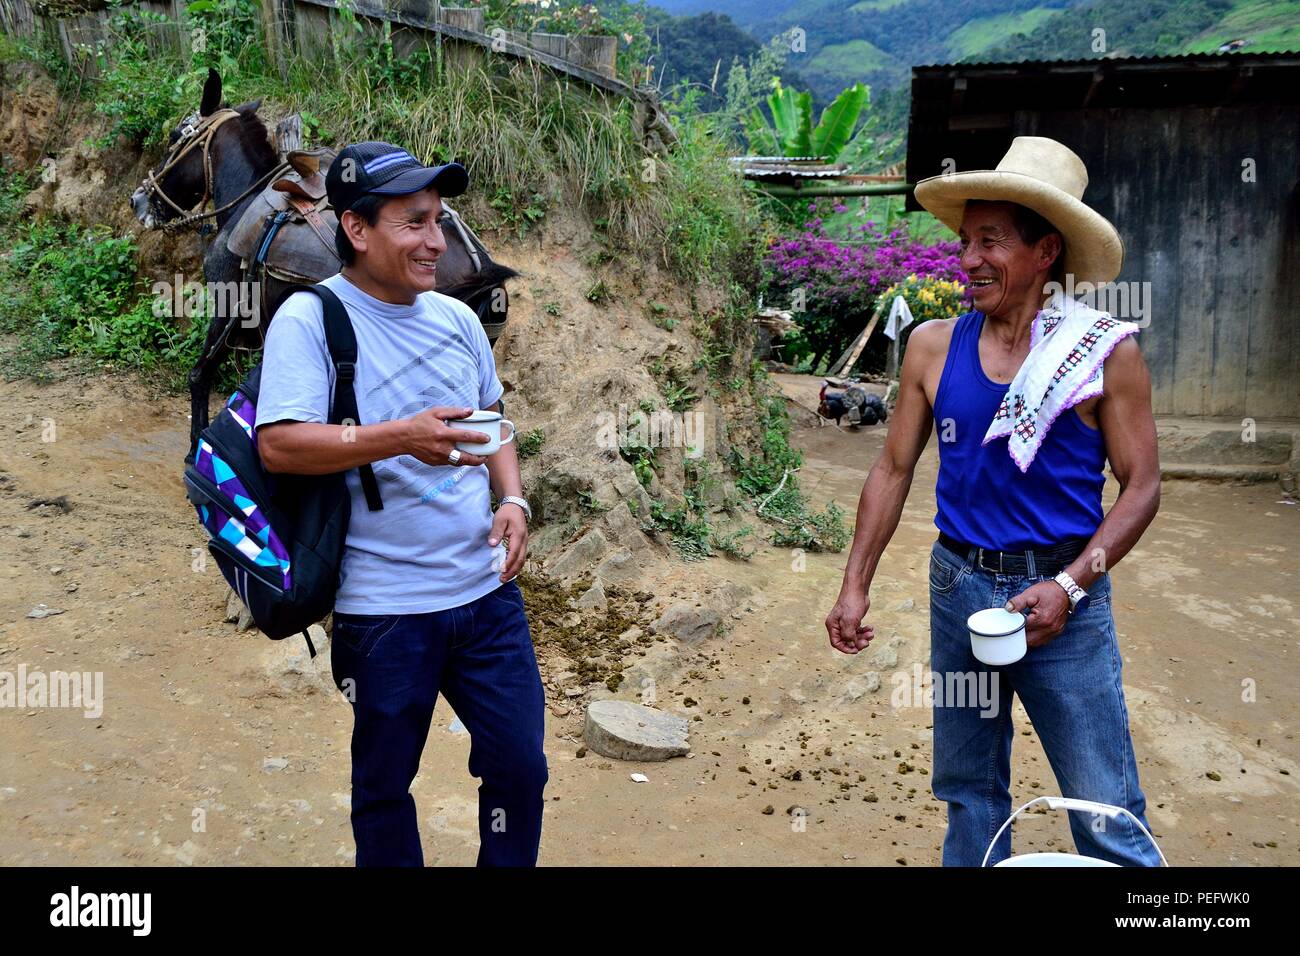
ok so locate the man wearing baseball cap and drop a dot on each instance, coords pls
(427, 602)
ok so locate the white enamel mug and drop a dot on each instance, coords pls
(997, 636)
(490, 424)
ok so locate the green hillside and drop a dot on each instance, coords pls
(974, 37)
(868, 6)
(1267, 26)
(1158, 28)
(878, 41)
(844, 35)
(840, 59)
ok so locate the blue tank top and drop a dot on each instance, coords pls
(982, 496)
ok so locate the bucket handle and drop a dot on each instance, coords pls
(1071, 803)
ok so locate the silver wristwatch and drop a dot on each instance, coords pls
(514, 500)
(1072, 590)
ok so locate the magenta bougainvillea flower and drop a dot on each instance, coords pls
(836, 284)
(848, 277)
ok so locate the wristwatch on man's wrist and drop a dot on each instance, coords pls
(1075, 593)
(514, 500)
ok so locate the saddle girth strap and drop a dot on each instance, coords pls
(311, 213)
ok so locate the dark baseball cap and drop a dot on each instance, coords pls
(364, 168)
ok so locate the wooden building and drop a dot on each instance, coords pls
(1196, 160)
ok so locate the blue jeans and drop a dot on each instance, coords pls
(1073, 694)
(480, 656)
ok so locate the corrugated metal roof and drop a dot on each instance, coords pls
(770, 172)
(777, 159)
(1188, 58)
(787, 167)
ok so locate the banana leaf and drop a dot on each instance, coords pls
(792, 113)
(835, 127)
(762, 139)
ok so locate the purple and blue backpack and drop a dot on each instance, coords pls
(279, 538)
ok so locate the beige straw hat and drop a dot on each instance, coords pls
(1048, 178)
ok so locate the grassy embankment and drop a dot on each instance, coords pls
(532, 144)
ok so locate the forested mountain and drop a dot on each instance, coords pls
(700, 50)
(878, 41)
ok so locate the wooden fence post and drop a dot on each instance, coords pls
(552, 43)
(598, 54)
(463, 56)
(17, 19)
(467, 18)
(311, 28)
(273, 36)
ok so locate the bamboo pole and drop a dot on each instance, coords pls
(814, 188)
(846, 362)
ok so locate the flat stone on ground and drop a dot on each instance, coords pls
(688, 623)
(627, 731)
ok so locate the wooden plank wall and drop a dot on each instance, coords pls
(311, 31)
(598, 54)
(84, 38)
(552, 43)
(309, 26)
(1222, 255)
(17, 19)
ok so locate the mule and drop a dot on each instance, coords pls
(224, 156)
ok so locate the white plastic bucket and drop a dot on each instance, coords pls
(1066, 859)
(997, 636)
(1054, 859)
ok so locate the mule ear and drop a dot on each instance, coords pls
(211, 93)
(249, 108)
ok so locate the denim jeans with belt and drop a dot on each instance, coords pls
(1072, 692)
(480, 656)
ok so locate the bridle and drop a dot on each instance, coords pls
(198, 136)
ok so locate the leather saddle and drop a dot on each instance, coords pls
(287, 233)
(289, 226)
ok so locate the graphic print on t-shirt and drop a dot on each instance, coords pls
(427, 548)
(416, 386)
(457, 385)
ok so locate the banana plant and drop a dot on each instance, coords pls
(792, 132)
(792, 114)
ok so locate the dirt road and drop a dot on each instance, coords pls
(216, 747)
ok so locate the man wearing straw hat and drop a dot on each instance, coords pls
(1030, 394)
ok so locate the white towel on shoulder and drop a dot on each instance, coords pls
(1068, 346)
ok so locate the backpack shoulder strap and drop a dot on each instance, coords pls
(342, 343)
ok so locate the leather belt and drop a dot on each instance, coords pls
(1049, 561)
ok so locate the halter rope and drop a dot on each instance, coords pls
(200, 137)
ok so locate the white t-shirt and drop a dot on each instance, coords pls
(427, 549)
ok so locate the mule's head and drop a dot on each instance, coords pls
(180, 182)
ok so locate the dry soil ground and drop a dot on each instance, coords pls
(216, 747)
